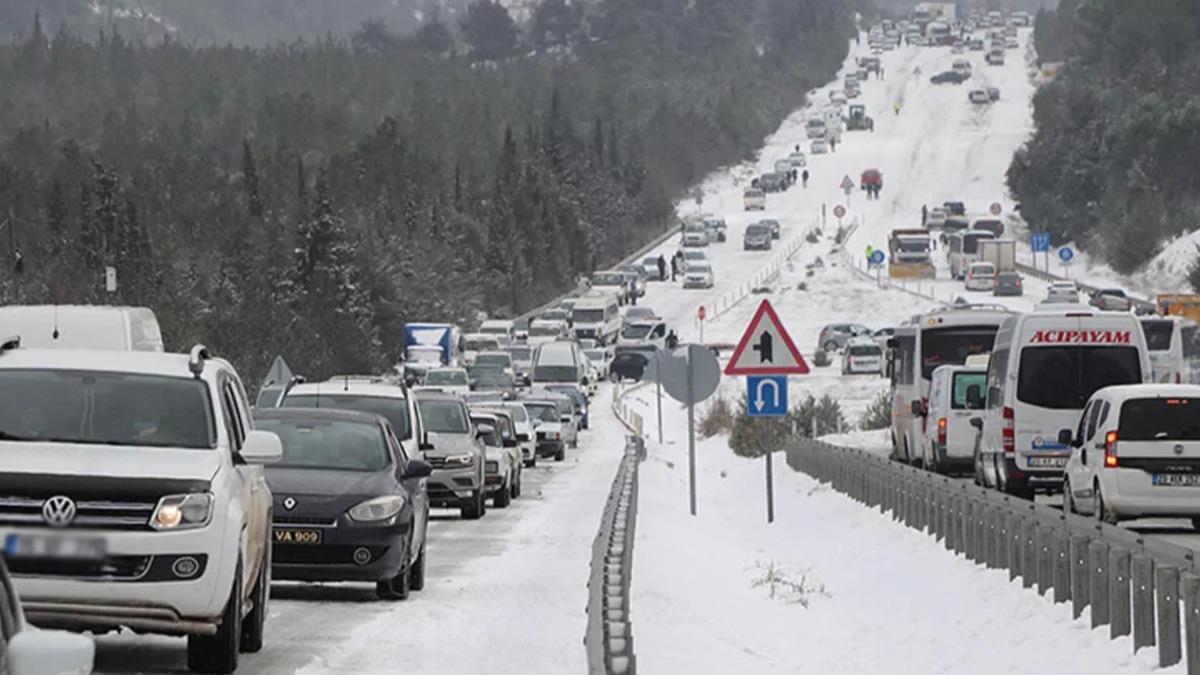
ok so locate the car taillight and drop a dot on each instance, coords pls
(1110, 449)
(1178, 378)
(1007, 432)
(942, 431)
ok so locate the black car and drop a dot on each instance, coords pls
(772, 182)
(1008, 283)
(494, 380)
(628, 365)
(348, 504)
(948, 77)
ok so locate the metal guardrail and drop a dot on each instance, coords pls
(1133, 583)
(1139, 303)
(609, 637)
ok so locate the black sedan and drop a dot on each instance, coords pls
(628, 365)
(948, 77)
(348, 504)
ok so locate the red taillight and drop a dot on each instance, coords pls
(942, 431)
(1007, 432)
(1110, 449)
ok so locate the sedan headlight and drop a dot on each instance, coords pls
(182, 512)
(456, 461)
(377, 509)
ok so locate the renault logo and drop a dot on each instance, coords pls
(1179, 449)
(58, 511)
(289, 503)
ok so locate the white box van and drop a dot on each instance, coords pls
(501, 329)
(1135, 453)
(82, 327)
(956, 394)
(1044, 367)
(1174, 345)
(754, 199)
(559, 362)
(597, 317)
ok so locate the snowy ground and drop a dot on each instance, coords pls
(697, 606)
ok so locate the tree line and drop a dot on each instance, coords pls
(308, 198)
(1111, 165)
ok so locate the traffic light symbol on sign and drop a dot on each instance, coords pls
(764, 348)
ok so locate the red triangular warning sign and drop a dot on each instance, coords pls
(766, 348)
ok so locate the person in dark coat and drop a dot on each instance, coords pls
(662, 268)
(672, 340)
(804, 178)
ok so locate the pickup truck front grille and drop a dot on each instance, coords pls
(24, 511)
(114, 567)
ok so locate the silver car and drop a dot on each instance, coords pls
(456, 454)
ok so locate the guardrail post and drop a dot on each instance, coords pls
(1118, 592)
(1045, 558)
(1143, 600)
(1166, 586)
(1098, 582)
(1015, 559)
(968, 528)
(953, 528)
(1029, 566)
(1079, 575)
(1000, 539)
(983, 524)
(1062, 565)
(1190, 587)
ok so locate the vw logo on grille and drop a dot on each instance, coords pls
(58, 511)
(1179, 449)
(289, 503)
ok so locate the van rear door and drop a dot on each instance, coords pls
(960, 435)
(1161, 437)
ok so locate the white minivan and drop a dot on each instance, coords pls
(597, 316)
(1044, 367)
(82, 327)
(956, 394)
(1136, 452)
(1174, 344)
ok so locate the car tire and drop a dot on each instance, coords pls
(416, 575)
(530, 463)
(396, 588)
(253, 626)
(1101, 511)
(502, 497)
(561, 453)
(475, 509)
(219, 653)
(517, 486)
(1068, 503)
(830, 346)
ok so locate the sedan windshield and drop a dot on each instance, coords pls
(328, 444)
(446, 417)
(105, 409)
(394, 409)
(612, 279)
(494, 360)
(543, 412)
(480, 344)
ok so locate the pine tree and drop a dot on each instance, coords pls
(254, 204)
(490, 31)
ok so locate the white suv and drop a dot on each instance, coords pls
(131, 496)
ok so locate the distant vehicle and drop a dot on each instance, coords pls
(773, 182)
(502, 329)
(862, 355)
(82, 327)
(543, 330)
(783, 166)
(1174, 344)
(447, 379)
(955, 208)
(1011, 43)
(754, 199)
(948, 77)
(858, 119)
(993, 92)
(772, 225)
(814, 127)
(1111, 299)
(1045, 366)
(942, 337)
(633, 280)
(819, 146)
(935, 217)
(975, 45)
(597, 317)
(650, 267)
(834, 336)
(600, 357)
(522, 360)
(948, 441)
(694, 255)
(837, 97)
(1179, 304)
(695, 234)
(548, 427)
(798, 160)
(455, 452)
(756, 236)
(499, 360)
(962, 67)
(628, 363)
(962, 249)
(980, 276)
(653, 331)
(1000, 252)
(502, 468)
(1062, 292)
(979, 96)
(909, 254)
(698, 274)
(559, 313)
(474, 343)
(1008, 283)
(995, 58)
(347, 469)
(616, 283)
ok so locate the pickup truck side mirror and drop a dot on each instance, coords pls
(417, 468)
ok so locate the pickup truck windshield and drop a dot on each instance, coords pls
(71, 406)
(637, 331)
(444, 417)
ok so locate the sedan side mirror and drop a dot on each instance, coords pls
(1065, 438)
(417, 468)
(977, 422)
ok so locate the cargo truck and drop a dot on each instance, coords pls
(908, 257)
(1000, 252)
(429, 345)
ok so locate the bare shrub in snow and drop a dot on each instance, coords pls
(878, 415)
(821, 359)
(787, 584)
(717, 419)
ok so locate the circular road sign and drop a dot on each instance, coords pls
(876, 257)
(1065, 254)
(996, 209)
(839, 211)
(701, 313)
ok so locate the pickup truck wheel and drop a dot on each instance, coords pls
(516, 488)
(475, 509)
(252, 625)
(219, 653)
(502, 497)
(561, 453)
(530, 463)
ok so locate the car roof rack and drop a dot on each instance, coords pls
(10, 343)
(196, 358)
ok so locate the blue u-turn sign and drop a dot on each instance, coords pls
(766, 395)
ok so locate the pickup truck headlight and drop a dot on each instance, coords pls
(377, 509)
(182, 512)
(458, 461)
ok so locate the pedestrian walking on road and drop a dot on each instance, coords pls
(662, 268)
(674, 267)
(804, 178)
(672, 340)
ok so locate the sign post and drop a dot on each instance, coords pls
(690, 378)
(766, 355)
(1039, 242)
(838, 212)
(1065, 254)
(700, 314)
(847, 186)
(877, 262)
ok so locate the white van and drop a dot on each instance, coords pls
(82, 327)
(475, 343)
(559, 362)
(1174, 344)
(956, 393)
(1044, 367)
(962, 249)
(502, 329)
(814, 127)
(1134, 453)
(597, 317)
(754, 199)
(942, 337)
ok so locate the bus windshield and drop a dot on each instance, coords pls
(952, 346)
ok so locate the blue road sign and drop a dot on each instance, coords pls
(766, 395)
(876, 257)
(1039, 241)
(1065, 254)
